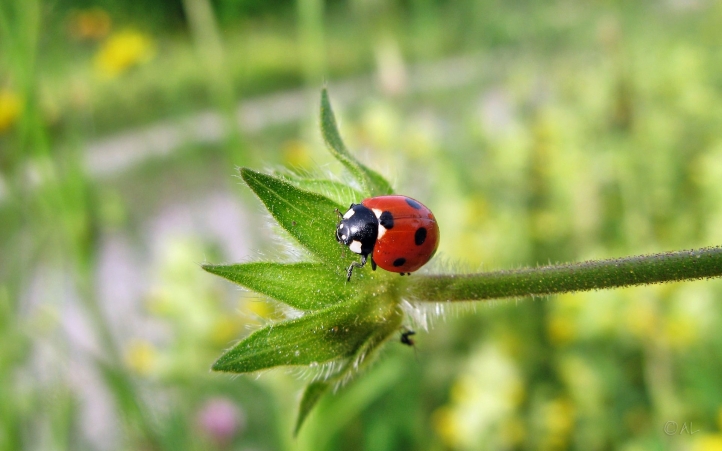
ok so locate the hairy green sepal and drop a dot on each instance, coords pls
(304, 286)
(334, 333)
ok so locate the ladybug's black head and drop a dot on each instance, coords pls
(358, 229)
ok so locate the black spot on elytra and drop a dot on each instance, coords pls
(387, 220)
(399, 262)
(413, 204)
(420, 236)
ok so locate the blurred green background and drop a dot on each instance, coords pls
(537, 131)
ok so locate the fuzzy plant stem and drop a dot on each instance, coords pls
(589, 275)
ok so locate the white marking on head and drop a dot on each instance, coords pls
(377, 212)
(340, 226)
(349, 213)
(355, 246)
(343, 237)
(382, 230)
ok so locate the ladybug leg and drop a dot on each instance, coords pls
(373, 264)
(338, 212)
(355, 265)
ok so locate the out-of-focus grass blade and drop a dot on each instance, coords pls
(356, 397)
(336, 332)
(308, 217)
(313, 392)
(372, 182)
(305, 286)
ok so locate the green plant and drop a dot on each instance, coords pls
(343, 323)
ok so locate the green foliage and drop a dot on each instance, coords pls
(308, 217)
(591, 275)
(372, 182)
(557, 136)
(304, 286)
(311, 395)
(346, 322)
(334, 333)
(341, 193)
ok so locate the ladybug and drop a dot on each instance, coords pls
(399, 233)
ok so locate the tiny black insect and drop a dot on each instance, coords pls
(406, 337)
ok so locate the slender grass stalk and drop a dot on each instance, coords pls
(210, 48)
(590, 275)
(59, 216)
(311, 39)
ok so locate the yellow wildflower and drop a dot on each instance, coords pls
(512, 431)
(122, 51)
(707, 442)
(296, 154)
(224, 330)
(10, 108)
(561, 330)
(642, 320)
(91, 23)
(680, 332)
(160, 301)
(141, 356)
(446, 426)
(482, 403)
(559, 423)
(261, 310)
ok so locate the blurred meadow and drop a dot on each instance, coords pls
(536, 131)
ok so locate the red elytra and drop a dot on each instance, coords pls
(400, 233)
(412, 240)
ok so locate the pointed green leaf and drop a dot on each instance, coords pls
(335, 332)
(336, 191)
(379, 185)
(316, 390)
(313, 392)
(305, 286)
(371, 181)
(308, 217)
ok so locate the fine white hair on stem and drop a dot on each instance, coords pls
(318, 372)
